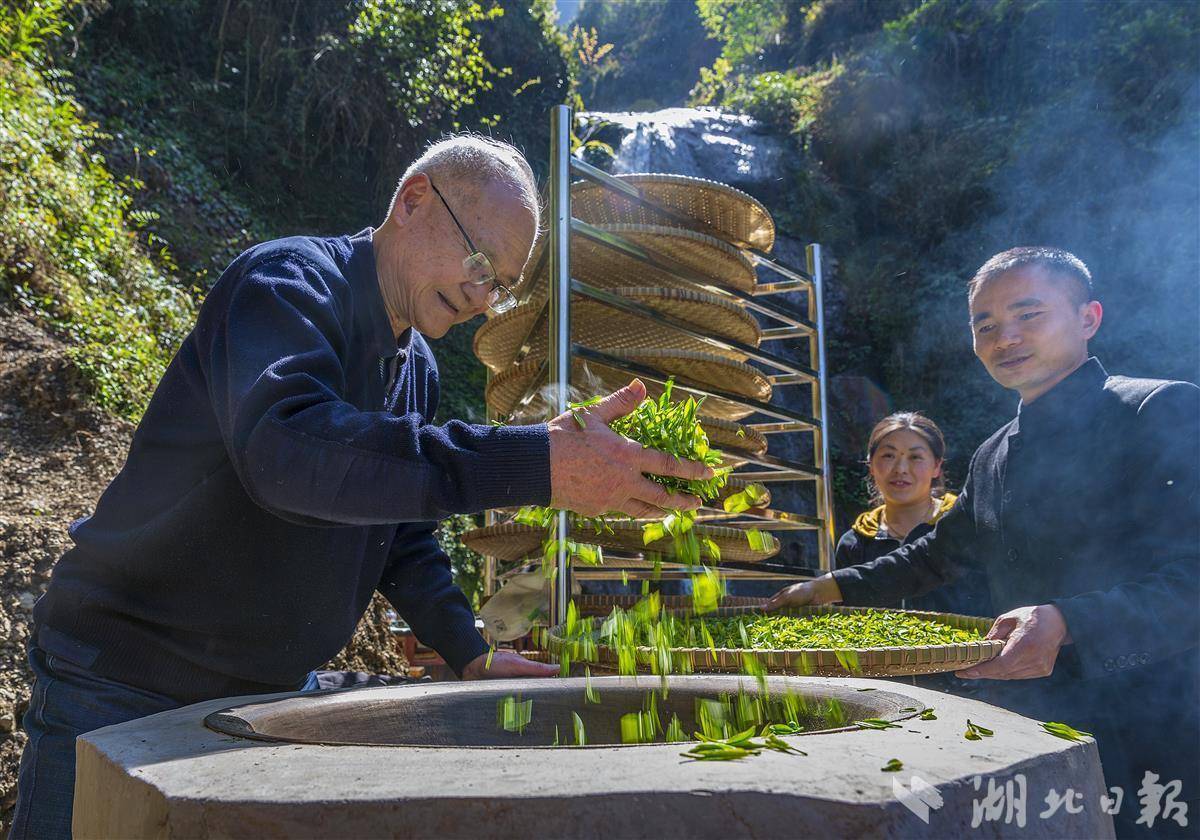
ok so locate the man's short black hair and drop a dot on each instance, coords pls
(1054, 261)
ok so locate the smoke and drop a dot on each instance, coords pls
(1126, 202)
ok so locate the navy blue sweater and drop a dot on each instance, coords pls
(285, 469)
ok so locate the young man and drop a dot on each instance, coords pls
(1084, 514)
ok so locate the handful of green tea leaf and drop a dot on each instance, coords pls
(673, 428)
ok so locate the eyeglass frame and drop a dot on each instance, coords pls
(476, 254)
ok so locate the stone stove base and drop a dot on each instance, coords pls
(170, 776)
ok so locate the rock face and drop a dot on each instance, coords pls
(169, 776)
(704, 142)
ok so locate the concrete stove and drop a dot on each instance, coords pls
(428, 759)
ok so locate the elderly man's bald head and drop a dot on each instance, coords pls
(466, 165)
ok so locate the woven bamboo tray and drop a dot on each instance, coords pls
(711, 259)
(702, 369)
(512, 541)
(715, 208)
(862, 662)
(604, 328)
(736, 441)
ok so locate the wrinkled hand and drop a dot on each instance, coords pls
(822, 590)
(505, 663)
(593, 470)
(1034, 636)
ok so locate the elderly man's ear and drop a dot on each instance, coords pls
(413, 192)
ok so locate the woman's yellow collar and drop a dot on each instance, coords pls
(867, 523)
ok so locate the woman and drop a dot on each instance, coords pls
(905, 455)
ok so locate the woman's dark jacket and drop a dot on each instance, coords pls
(869, 540)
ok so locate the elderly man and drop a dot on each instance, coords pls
(1083, 513)
(286, 468)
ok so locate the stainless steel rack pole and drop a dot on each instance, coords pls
(559, 350)
(816, 343)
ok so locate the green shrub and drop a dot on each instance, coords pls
(784, 100)
(69, 253)
(466, 565)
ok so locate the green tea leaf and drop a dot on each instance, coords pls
(652, 532)
(580, 734)
(759, 541)
(975, 732)
(513, 714)
(1062, 730)
(707, 589)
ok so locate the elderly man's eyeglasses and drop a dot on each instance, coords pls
(479, 268)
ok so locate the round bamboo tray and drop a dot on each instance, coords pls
(715, 208)
(600, 326)
(860, 662)
(736, 441)
(512, 541)
(702, 369)
(712, 260)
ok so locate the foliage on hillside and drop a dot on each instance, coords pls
(658, 48)
(70, 249)
(225, 123)
(930, 135)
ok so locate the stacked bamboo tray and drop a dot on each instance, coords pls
(705, 232)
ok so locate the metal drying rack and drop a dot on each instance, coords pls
(784, 323)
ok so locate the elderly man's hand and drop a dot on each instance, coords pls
(593, 470)
(1034, 636)
(506, 663)
(822, 590)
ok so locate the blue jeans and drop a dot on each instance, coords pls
(69, 700)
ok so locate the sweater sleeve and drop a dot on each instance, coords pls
(1153, 616)
(418, 583)
(273, 349)
(917, 567)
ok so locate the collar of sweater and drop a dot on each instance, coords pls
(370, 312)
(1067, 405)
(868, 523)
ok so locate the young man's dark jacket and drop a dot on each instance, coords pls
(1087, 500)
(285, 469)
